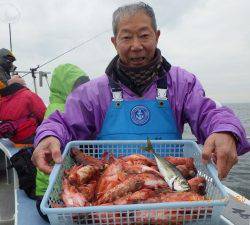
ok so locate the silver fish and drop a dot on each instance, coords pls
(171, 174)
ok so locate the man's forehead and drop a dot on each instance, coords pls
(137, 21)
(128, 30)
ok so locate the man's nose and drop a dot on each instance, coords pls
(136, 44)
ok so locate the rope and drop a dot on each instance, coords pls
(77, 46)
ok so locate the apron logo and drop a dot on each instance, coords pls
(140, 115)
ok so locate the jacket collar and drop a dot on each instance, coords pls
(11, 89)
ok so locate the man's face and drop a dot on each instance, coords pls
(8, 63)
(136, 40)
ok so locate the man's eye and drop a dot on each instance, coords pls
(126, 37)
(144, 36)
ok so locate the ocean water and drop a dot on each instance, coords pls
(238, 178)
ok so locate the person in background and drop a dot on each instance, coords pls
(6, 67)
(21, 112)
(141, 95)
(65, 78)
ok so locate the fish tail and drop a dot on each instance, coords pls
(149, 146)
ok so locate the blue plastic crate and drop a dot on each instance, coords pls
(196, 212)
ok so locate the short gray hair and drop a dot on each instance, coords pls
(130, 10)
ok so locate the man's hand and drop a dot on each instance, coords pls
(221, 147)
(46, 151)
(16, 79)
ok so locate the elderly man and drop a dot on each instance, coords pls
(151, 98)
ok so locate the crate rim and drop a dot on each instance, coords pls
(145, 206)
(134, 207)
(177, 142)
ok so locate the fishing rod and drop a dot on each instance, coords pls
(33, 70)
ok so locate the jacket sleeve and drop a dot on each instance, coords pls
(206, 116)
(76, 123)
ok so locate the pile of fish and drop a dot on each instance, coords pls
(129, 180)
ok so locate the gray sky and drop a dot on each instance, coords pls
(209, 38)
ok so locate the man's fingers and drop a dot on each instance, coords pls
(44, 167)
(39, 160)
(231, 161)
(46, 151)
(207, 151)
(56, 152)
(223, 144)
(223, 165)
(227, 157)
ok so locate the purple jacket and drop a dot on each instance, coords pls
(86, 107)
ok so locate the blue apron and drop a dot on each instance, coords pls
(139, 119)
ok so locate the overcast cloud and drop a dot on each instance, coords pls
(209, 38)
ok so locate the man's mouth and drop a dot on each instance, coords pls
(137, 60)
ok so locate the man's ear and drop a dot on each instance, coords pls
(158, 33)
(113, 40)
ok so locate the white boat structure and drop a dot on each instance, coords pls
(17, 209)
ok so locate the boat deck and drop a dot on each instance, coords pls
(238, 209)
(7, 198)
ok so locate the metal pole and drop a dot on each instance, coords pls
(33, 70)
(10, 37)
(34, 82)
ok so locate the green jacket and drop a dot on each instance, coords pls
(65, 78)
